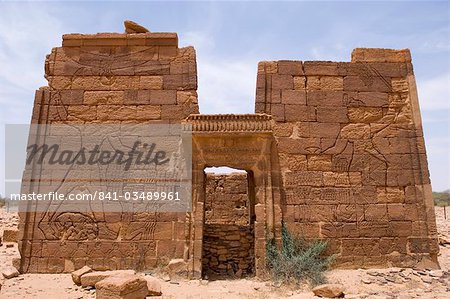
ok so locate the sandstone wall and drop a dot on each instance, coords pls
(352, 155)
(111, 78)
(228, 236)
(350, 149)
(226, 199)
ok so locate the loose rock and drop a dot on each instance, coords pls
(90, 279)
(76, 275)
(10, 235)
(122, 287)
(329, 290)
(10, 272)
(153, 286)
(133, 27)
(427, 279)
(436, 273)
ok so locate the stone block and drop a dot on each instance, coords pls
(294, 97)
(187, 97)
(318, 130)
(116, 112)
(76, 275)
(400, 229)
(96, 98)
(392, 69)
(84, 113)
(122, 287)
(298, 146)
(329, 290)
(375, 83)
(319, 162)
(299, 82)
(157, 97)
(396, 212)
(304, 178)
(332, 83)
(325, 98)
(360, 247)
(367, 99)
(180, 82)
(390, 195)
(332, 114)
(10, 235)
(66, 97)
(289, 67)
(364, 114)
(294, 113)
(267, 67)
(177, 268)
(153, 286)
(10, 272)
(90, 279)
(277, 112)
(148, 112)
(283, 129)
(282, 82)
(393, 245)
(376, 212)
(321, 68)
(356, 131)
(293, 162)
(380, 55)
(150, 82)
(174, 112)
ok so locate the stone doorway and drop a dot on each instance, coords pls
(242, 142)
(228, 232)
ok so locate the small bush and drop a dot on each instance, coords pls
(297, 260)
(2, 201)
(441, 198)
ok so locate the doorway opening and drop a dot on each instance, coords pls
(228, 231)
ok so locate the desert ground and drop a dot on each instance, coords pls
(360, 283)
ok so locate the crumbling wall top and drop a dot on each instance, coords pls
(380, 55)
(120, 39)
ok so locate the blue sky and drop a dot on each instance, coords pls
(230, 39)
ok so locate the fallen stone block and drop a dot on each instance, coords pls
(176, 268)
(76, 275)
(10, 235)
(153, 286)
(122, 287)
(16, 262)
(329, 291)
(90, 279)
(10, 272)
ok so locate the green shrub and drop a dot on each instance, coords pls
(2, 201)
(441, 198)
(297, 260)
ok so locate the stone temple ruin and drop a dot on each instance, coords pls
(335, 150)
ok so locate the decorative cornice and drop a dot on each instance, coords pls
(230, 122)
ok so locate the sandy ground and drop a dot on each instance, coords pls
(371, 284)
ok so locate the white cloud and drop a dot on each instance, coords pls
(434, 93)
(28, 31)
(27, 34)
(226, 86)
(200, 40)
